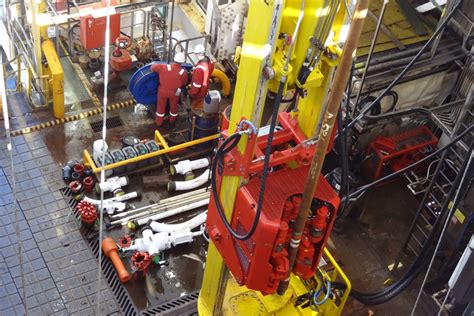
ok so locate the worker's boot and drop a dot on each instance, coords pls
(159, 118)
(159, 121)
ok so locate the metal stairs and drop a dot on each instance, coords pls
(439, 183)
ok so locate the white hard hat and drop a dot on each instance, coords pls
(199, 49)
(179, 58)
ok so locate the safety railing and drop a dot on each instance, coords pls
(159, 139)
(185, 43)
(337, 275)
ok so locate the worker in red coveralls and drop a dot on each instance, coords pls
(172, 79)
(201, 75)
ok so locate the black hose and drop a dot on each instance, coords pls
(419, 264)
(366, 187)
(224, 148)
(343, 153)
(407, 67)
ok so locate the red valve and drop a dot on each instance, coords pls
(123, 42)
(140, 263)
(124, 241)
(75, 186)
(79, 168)
(88, 183)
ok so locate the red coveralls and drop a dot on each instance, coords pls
(172, 77)
(201, 75)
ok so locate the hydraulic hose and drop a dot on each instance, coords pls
(419, 264)
(268, 149)
(433, 37)
(225, 148)
(366, 187)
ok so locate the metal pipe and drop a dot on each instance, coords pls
(158, 210)
(171, 33)
(371, 51)
(176, 211)
(155, 208)
(334, 101)
(180, 197)
(395, 81)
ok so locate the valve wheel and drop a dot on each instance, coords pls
(125, 241)
(123, 42)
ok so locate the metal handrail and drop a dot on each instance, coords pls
(186, 46)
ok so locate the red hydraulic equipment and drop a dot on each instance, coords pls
(93, 28)
(390, 154)
(261, 261)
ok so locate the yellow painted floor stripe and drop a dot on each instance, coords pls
(75, 117)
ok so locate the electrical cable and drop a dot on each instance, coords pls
(268, 149)
(104, 135)
(453, 207)
(418, 265)
(343, 152)
(371, 49)
(15, 204)
(321, 290)
(225, 148)
(407, 67)
(364, 188)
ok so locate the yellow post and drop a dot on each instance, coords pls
(263, 23)
(56, 81)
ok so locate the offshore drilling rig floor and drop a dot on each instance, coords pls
(62, 269)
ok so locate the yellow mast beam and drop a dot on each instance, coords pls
(263, 24)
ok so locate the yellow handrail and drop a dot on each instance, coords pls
(89, 162)
(338, 272)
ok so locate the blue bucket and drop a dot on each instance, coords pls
(202, 125)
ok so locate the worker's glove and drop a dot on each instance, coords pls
(178, 92)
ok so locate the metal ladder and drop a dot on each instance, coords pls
(448, 165)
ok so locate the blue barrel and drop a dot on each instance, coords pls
(202, 125)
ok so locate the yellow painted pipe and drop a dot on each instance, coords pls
(225, 81)
(160, 139)
(88, 161)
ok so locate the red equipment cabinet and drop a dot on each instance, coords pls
(261, 261)
(93, 30)
(390, 154)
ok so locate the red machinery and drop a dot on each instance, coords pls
(93, 28)
(261, 261)
(121, 59)
(390, 154)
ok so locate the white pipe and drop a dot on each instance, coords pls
(169, 213)
(185, 167)
(189, 185)
(115, 199)
(194, 222)
(114, 184)
(156, 243)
